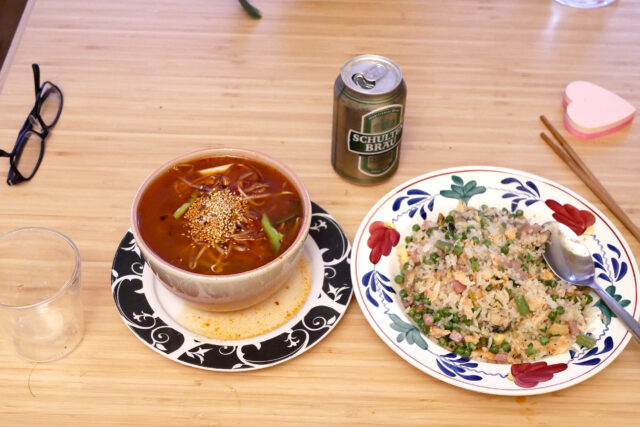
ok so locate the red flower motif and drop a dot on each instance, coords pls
(571, 216)
(529, 375)
(382, 239)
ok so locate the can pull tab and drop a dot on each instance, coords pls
(367, 80)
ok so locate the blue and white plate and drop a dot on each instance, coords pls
(426, 196)
(148, 309)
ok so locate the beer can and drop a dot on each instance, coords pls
(368, 111)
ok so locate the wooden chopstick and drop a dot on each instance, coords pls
(571, 158)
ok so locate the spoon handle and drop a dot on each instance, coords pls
(629, 322)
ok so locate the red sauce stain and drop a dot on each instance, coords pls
(277, 303)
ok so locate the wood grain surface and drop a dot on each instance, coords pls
(146, 80)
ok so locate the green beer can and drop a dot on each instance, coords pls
(368, 111)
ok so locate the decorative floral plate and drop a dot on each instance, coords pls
(146, 307)
(424, 197)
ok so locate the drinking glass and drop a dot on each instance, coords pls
(586, 4)
(40, 306)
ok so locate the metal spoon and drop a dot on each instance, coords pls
(571, 260)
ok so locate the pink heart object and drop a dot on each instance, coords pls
(593, 111)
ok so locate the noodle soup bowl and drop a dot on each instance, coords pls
(233, 291)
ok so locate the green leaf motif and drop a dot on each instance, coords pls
(461, 191)
(607, 314)
(407, 332)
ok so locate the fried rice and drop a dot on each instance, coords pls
(476, 282)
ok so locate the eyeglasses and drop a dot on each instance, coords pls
(27, 154)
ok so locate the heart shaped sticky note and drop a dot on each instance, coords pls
(593, 111)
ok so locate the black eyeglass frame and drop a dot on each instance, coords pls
(15, 177)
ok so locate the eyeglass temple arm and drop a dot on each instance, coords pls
(36, 77)
(4, 154)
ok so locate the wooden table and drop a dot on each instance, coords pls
(146, 80)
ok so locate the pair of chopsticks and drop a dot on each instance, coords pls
(571, 158)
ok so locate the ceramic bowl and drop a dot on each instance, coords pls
(231, 291)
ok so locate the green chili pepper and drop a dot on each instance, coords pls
(585, 341)
(443, 246)
(183, 207)
(522, 305)
(530, 350)
(475, 265)
(275, 237)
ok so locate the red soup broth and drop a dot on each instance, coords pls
(206, 215)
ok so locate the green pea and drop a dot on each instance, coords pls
(415, 227)
(417, 317)
(484, 207)
(411, 312)
(589, 299)
(437, 316)
(403, 293)
(506, 347)
(448, 325)
(471, 346)
(488, 288)
(475, 240)
(554, 297)
(458, 249)
(434, 257)
(448, 218)
(399, 279)
(553, 315)
(442, 341)
(560, 309)
(459, 350)
(519, 213)
(407, 239)
(544, 340)
(504, 249)
(486, 242)
(494, 349)
(455, 318)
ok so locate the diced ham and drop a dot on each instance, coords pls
(458, 287)
(428, 319)
(500, 358)
(415, 255)
(536, 227)
(525, 230)
(455, 336)
(573, 327)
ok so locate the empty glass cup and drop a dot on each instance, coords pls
(586, 4)
(40, 306)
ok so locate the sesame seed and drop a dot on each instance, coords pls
(214, 217)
